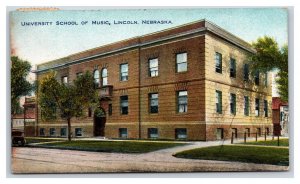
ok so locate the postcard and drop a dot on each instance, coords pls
(149, 90)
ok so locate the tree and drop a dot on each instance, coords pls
(19, 85)
(270, 57)
(69, 99)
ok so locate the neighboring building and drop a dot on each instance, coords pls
(280, 116)
(26, 120)
(29, 116)
(190, 82)
(18, 121)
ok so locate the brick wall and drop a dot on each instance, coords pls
(200, 81)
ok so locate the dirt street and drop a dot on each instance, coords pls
(40, 160)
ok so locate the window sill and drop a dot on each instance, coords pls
(183, 72)
(124, 81)
(150, 77)
(181, 113)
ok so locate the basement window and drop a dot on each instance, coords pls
(152, 133)
(123, 133)
(78, 132)
(52, 131)
(180, 133)
(63, 132)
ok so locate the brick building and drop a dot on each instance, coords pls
(280, 118)
(26, 121)
(30, 117)
(189, 82)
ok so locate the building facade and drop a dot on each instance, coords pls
(190, 82)
(26, 121)
(280, 118)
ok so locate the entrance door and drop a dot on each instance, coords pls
(99, 122)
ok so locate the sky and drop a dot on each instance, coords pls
(38, 44)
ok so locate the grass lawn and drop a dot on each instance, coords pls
(30, 140)
(111, 146)
(282, 142)
(262, 155)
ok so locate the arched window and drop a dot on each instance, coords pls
(96, 78)
(104, 76)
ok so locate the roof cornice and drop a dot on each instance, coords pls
(209, 27)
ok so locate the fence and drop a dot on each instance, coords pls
(251, 137)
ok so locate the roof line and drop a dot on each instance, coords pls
(221, 33)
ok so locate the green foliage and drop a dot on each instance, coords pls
(69, 99)
(283, 84)
(270, 57)
(99, 112)
(19, 85)
(66, 100)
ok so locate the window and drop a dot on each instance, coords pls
(219, 102)
(256, 107)
(153, 133)
(123, 132)
(109, 109)
(232, 103)
(124, 104)
(181, 61)
(266, 108)
(153, 67)
(78, 132)
(246, 105)
(42, 131)
(96, 78)
(64, 79)
(180, 133)
(104, 77)
(52, 131)
(63, 132)
(256, 77)
(124, 72)
(246, 72)
(182, 101)
(232, 68)
(220, 133)
(153, 102)
(266, 79)
(218, 60)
